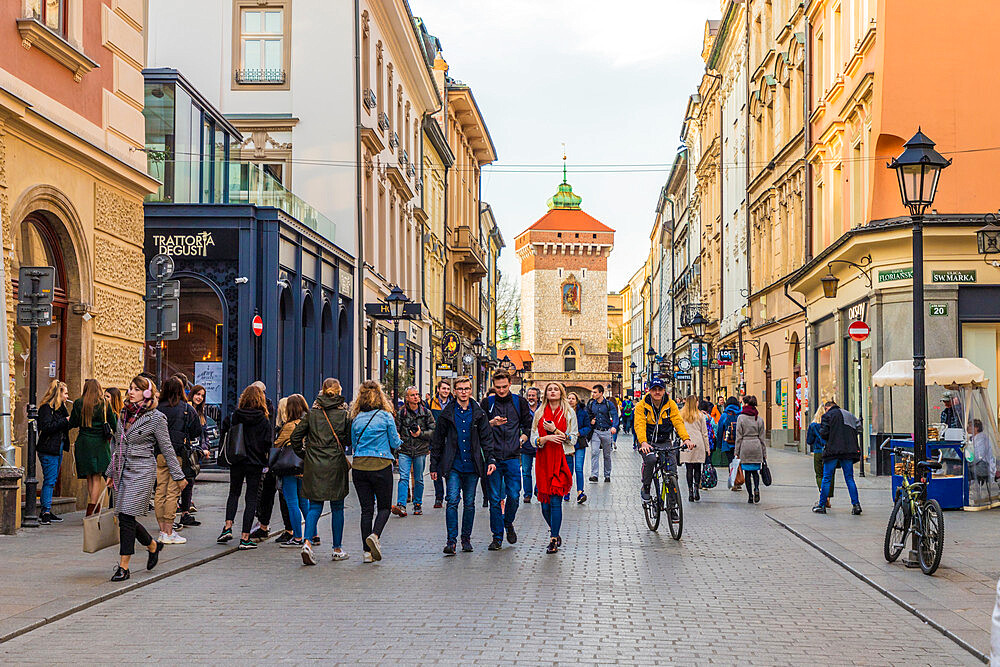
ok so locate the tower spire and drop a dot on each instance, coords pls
(564, 161)
(564, 197)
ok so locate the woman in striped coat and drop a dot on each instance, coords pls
(141, 435)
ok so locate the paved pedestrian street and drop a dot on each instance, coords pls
(737, 589)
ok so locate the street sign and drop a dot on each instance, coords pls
(684, 364)
(36, 284)
(938, 309)
(34, 316)
(257, 325)
(380, 311)
(169, 328)
(858, 330)
(161, 267)
(171, 289)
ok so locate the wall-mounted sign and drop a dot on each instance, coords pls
(204, 244)
(858, 311)
(895, 274)
(346, 279)
(955, 276)
(725, 357)
(380, 310)
(450, 344)
(938, 309)
(682, 376)
(684, 364)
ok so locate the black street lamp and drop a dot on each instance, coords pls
(396, 302)
(651, 356)
(632, 368)
(698, 325)
(918, 169)
(477, 348)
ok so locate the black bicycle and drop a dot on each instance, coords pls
(665, 493)
(914, 513)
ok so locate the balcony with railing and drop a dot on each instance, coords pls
(260, 76)
(468, 253)
(369, 98)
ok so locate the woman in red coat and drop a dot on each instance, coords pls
(553, 434)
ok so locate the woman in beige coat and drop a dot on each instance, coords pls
(751, 449)
(694, 456)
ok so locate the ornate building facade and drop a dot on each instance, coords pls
(564, 294)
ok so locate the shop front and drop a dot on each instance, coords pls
(235, 262)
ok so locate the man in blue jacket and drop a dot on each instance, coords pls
(510, 421)
(725, 432)
(462, 453)
(604, 420)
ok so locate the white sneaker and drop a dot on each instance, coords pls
(340, 555)
(174, 538)
(308, 557)
(375, 546)
(164, 537)
(368, 557)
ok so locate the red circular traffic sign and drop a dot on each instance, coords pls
(257, 325)
(858, 330)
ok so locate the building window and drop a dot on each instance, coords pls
(569, 359)
(261, 43)
(51, 13)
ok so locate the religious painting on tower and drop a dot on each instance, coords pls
(571, 296)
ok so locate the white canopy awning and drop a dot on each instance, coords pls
(944, 372)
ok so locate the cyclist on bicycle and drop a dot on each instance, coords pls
(657, 420)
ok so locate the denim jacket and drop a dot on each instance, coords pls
(373, 433)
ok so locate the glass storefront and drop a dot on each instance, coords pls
(980, 345)
(826, 374)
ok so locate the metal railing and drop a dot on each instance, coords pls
(262, 76)
(369, 99)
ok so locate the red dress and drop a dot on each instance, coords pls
(552, 473)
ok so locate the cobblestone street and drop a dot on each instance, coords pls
(737, 588)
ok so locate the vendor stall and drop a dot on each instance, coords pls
(969, 477)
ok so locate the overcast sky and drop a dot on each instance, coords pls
(610, 79)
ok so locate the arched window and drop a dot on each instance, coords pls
(569, 359)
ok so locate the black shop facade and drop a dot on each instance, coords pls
(236, 262)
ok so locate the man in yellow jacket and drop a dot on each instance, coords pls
(656, 420)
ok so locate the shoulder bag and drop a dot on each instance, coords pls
(283, 461)
(234, 449)
(100, 529)
(107, 432)
(335, 437)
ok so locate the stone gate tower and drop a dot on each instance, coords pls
(564, 294)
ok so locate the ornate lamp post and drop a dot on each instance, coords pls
(396, 301)
(632, 367)
(918, 169)
(698, 325)
(477, 348)
(650, 357)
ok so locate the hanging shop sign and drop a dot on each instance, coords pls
(955, 276)
(858, 311)
(890, 275)
(450, 344)
(725, 356)
(684, 364)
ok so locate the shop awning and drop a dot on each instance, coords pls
(943, 372)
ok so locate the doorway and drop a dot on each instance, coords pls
(767, 391)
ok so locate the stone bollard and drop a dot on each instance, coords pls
(10, 483)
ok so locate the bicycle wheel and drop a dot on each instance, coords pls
(652, 508)
(932, 539)
(896, 531)
(675, 511)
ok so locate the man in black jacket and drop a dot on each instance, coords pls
(510, 420)
(842, 451)
(462, 453)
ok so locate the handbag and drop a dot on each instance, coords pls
(765, 474)
(283, 461)
(709, 478)
(100, 529)
(234, 449)
(735, 474)
(108, 433)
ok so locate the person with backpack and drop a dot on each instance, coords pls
(725, 432)
(510, 424)
(751, 449)
(628, 411)
(657, 421)
(604, 422)
(185, 429)
(839, 430)
(816, 442)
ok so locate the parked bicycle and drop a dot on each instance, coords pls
(914, 513)
(665, 496)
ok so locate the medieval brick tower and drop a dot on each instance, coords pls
(564, 294)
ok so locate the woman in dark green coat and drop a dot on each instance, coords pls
(320, 439)
(92, 451)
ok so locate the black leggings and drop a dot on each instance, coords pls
(237, 475)
(186, 494)
(374, 488)
(693, 475)
(130, 530)
(753, 480)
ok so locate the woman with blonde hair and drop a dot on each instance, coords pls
(553, 433)
(142, 434)
(53, 440)
(818, 444)
(698, 451)
(321, 439)
(258, 435)
(97, 421)
(375, 441)
(290, 411)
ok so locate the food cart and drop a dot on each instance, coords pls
(969, 477)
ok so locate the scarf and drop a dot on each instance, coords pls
(552, 472)
(130, 413)
(749, 410)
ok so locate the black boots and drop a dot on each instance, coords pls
(120, 574)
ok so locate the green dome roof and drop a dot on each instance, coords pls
(564, 197)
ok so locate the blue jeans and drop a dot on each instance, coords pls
(50, 473)
(298, 505)
(829, 467)
(526, 463)
(507, 477)
(575, 461)
(405, 464)
(461, 484)
(552, 513)
(336, 519)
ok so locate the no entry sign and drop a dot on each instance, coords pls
(257, 325)
(858, 330)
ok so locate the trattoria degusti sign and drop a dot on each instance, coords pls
(205, 244)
